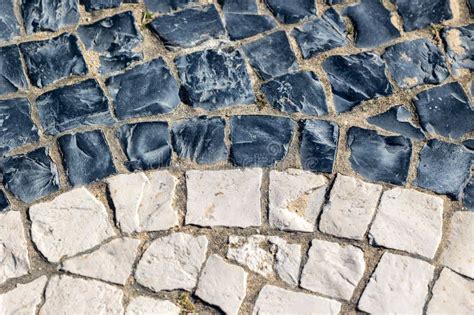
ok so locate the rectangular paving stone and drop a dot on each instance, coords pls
(318, 145)
(49, 15)
(12, 76)
(9, 26)
(418, 14)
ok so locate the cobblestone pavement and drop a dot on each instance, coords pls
(239, 157)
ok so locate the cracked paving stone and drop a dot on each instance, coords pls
(146, 305)
(49, 15)
(166, 6)
(259, 140)
(200, 139)
(24, 298)
(416, 62)
(468, 196)
(30, 176)
(398, 119)
(9, 26)
(111, 262)
(444, 168)
(146, 145)
(377, 157)
(213, 79)
(73, 106)
(289, 12)
(296, 198)
(318, 145)
(86, 157)
(4, 203)
(320, 35)
(214, 198)
(459, 43)
(189, 27)
(16, 124)
(356, 78)
(418, 14)
(144, 203)
(271, 56)
(12, 77)
(94, 5)
(147, 89)
(71, 223)
(172, 262)
(372, 23)
(51, 60)
(297, 92)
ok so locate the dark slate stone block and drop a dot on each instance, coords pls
(9, 26)
(445, 110)
(94, 5)
(379, 158)
(4, 204)
(271, 56)
(318, 146)
(297, 92)
(319, 35)
(166, 6)
(73, 106)
(241, 26)
(356, 78)
(51, 60)
(12, 77)
(416, 62)
(291, 11)
(260, 140)
(30, 176)
(147, 89)
(398, 119)
(118, 61)
(86, 157)
(189, 27)
(444, 168)
(16, 125)
(146, 144)
(418, 14)
(468, 195)
(469, 144)
(213, 79)
(200, 139)
(49, 15)
(239, 6)
(459, 43)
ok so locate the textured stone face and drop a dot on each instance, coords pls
(243, 25)
(418, 14)
(291, 11)
(318, 145)
(94, 5)
(9, 26)
(24, 298)
(165, 6)
(49, 15)
(459, 43)
(12, 77)
(398, 119)
(146, 305)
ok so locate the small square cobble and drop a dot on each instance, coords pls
(318, 145)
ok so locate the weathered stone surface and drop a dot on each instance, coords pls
(351, 207)
(14, 261)
(215, 197)
(144, 204)
(296, 198)
(222, 284)
(71, 223)
(200, 139)
(356, 78)
(398, 119)
(24, 299)
(297, 92)
(379, 158)
(416, 62)
(44, 15)
(239, 6)
(322, 34)
(146, 145)
(12, 77)
(418, 14)
(166, 6)
(291, 11)
(271, 56)
(240, 25)
(212, 79)
(143, 305)
(147, 89)
(172, 262)
(468, 195)
(259, 140)
(9, 26)
(53, 59)
(94, 5)
(410, 221)
(397, 278)
(4, 203)
(318, 145)
(86, 157)
(118, 61)
(30, 176)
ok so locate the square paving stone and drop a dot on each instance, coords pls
(16, 125)
(4, 204)
(94, 5)
(318, 146)
(259, 140)
(445, 111)
(9, 26)
(292, 11)
(319, 35)
(213, 79)
(356, 78)
(200, 139)
(459, 43)
(379, 158)
(468, 195)
(73, 106)
(166, 6)
(147, 89)
(51, 60)
(146, 145)
(86, 157)
(49, 15)
(416, 62)
(189, 27)
(30, 176)
(271, 55)
(398, 119)
(12, 77)
(418, 14)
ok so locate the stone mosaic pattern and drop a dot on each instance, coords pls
(236, 156)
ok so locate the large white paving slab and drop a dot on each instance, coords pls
(143, 305)
(24, 299)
